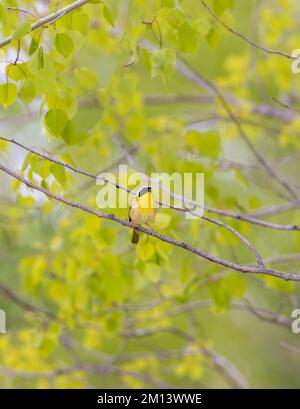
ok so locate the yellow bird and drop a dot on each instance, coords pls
(142, 210)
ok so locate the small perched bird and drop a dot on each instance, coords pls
(142, 210)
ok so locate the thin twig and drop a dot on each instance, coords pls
(174, 242)
(21, 10)
(49, 19)
(286, 106)
(271, 211)
(242, 36)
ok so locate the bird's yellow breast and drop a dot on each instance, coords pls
(142, 209)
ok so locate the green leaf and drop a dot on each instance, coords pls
(57, 291)
(8, 94)
(162, 62)
(25, 201)
(70, 134)
(213, 37)
(21, 30)
(152, 272)
(254, 202)
(108, 235)
(64, 44)
(55, 121)
(17, 71)
(1, 11)
(146, 58)
(58, 171)
(4, 145)
(188, 41)
(241, 177)
(66, 157)
(28, 91)
(44, 184)
(107, 15)
(175, 18)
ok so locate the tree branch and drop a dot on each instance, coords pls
(51, 18)
(220, 212)
(135, 165)
(230, 372)
(9, 294)
(177, 243)
(96, 369)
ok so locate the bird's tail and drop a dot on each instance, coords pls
(135, 237)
